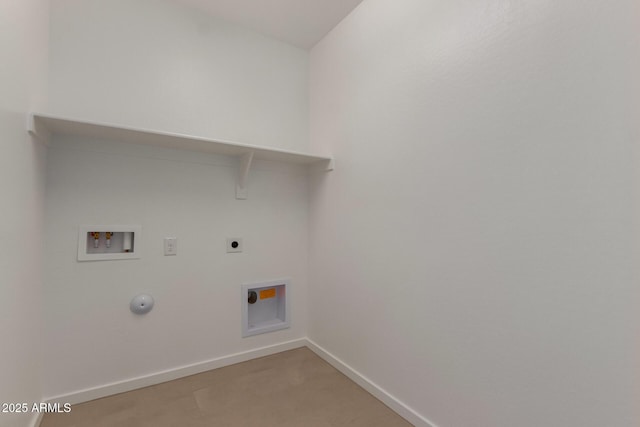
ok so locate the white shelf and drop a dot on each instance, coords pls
(42, 126)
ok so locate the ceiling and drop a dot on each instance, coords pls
(299, 22)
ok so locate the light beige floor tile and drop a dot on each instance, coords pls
(289, 389)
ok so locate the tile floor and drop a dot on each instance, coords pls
(291, 389)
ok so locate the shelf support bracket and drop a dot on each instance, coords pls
(330, 165)
(37, 131)
(243, 175)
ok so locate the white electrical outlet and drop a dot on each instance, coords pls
(234, 244)
(170, 246)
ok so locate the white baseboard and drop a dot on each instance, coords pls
(172, 374)
(392, 402)
(134, 383)
(37, 419)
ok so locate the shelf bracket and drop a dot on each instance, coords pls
(243, 175)
(330, 165)
(37, 131)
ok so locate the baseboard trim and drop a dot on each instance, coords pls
(392, 402)
(87, 395)
(37, 419)
(388, 399)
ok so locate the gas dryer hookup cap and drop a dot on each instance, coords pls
(141, 304)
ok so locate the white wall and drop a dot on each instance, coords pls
(92, 339)
(158, 64)
(155, 64)
(23, 77)
(475, 253)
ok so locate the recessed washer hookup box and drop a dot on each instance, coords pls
(109, 242)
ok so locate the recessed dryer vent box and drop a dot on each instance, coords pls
(265, 307)
(109, 242)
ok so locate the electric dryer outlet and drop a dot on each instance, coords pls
(234, 244)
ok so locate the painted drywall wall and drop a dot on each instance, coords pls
(159, 64)
(91, 337)
(23, 78)
(475, 253)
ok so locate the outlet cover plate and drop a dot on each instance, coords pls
(170, 246)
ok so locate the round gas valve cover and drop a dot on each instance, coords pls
(141, 304)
